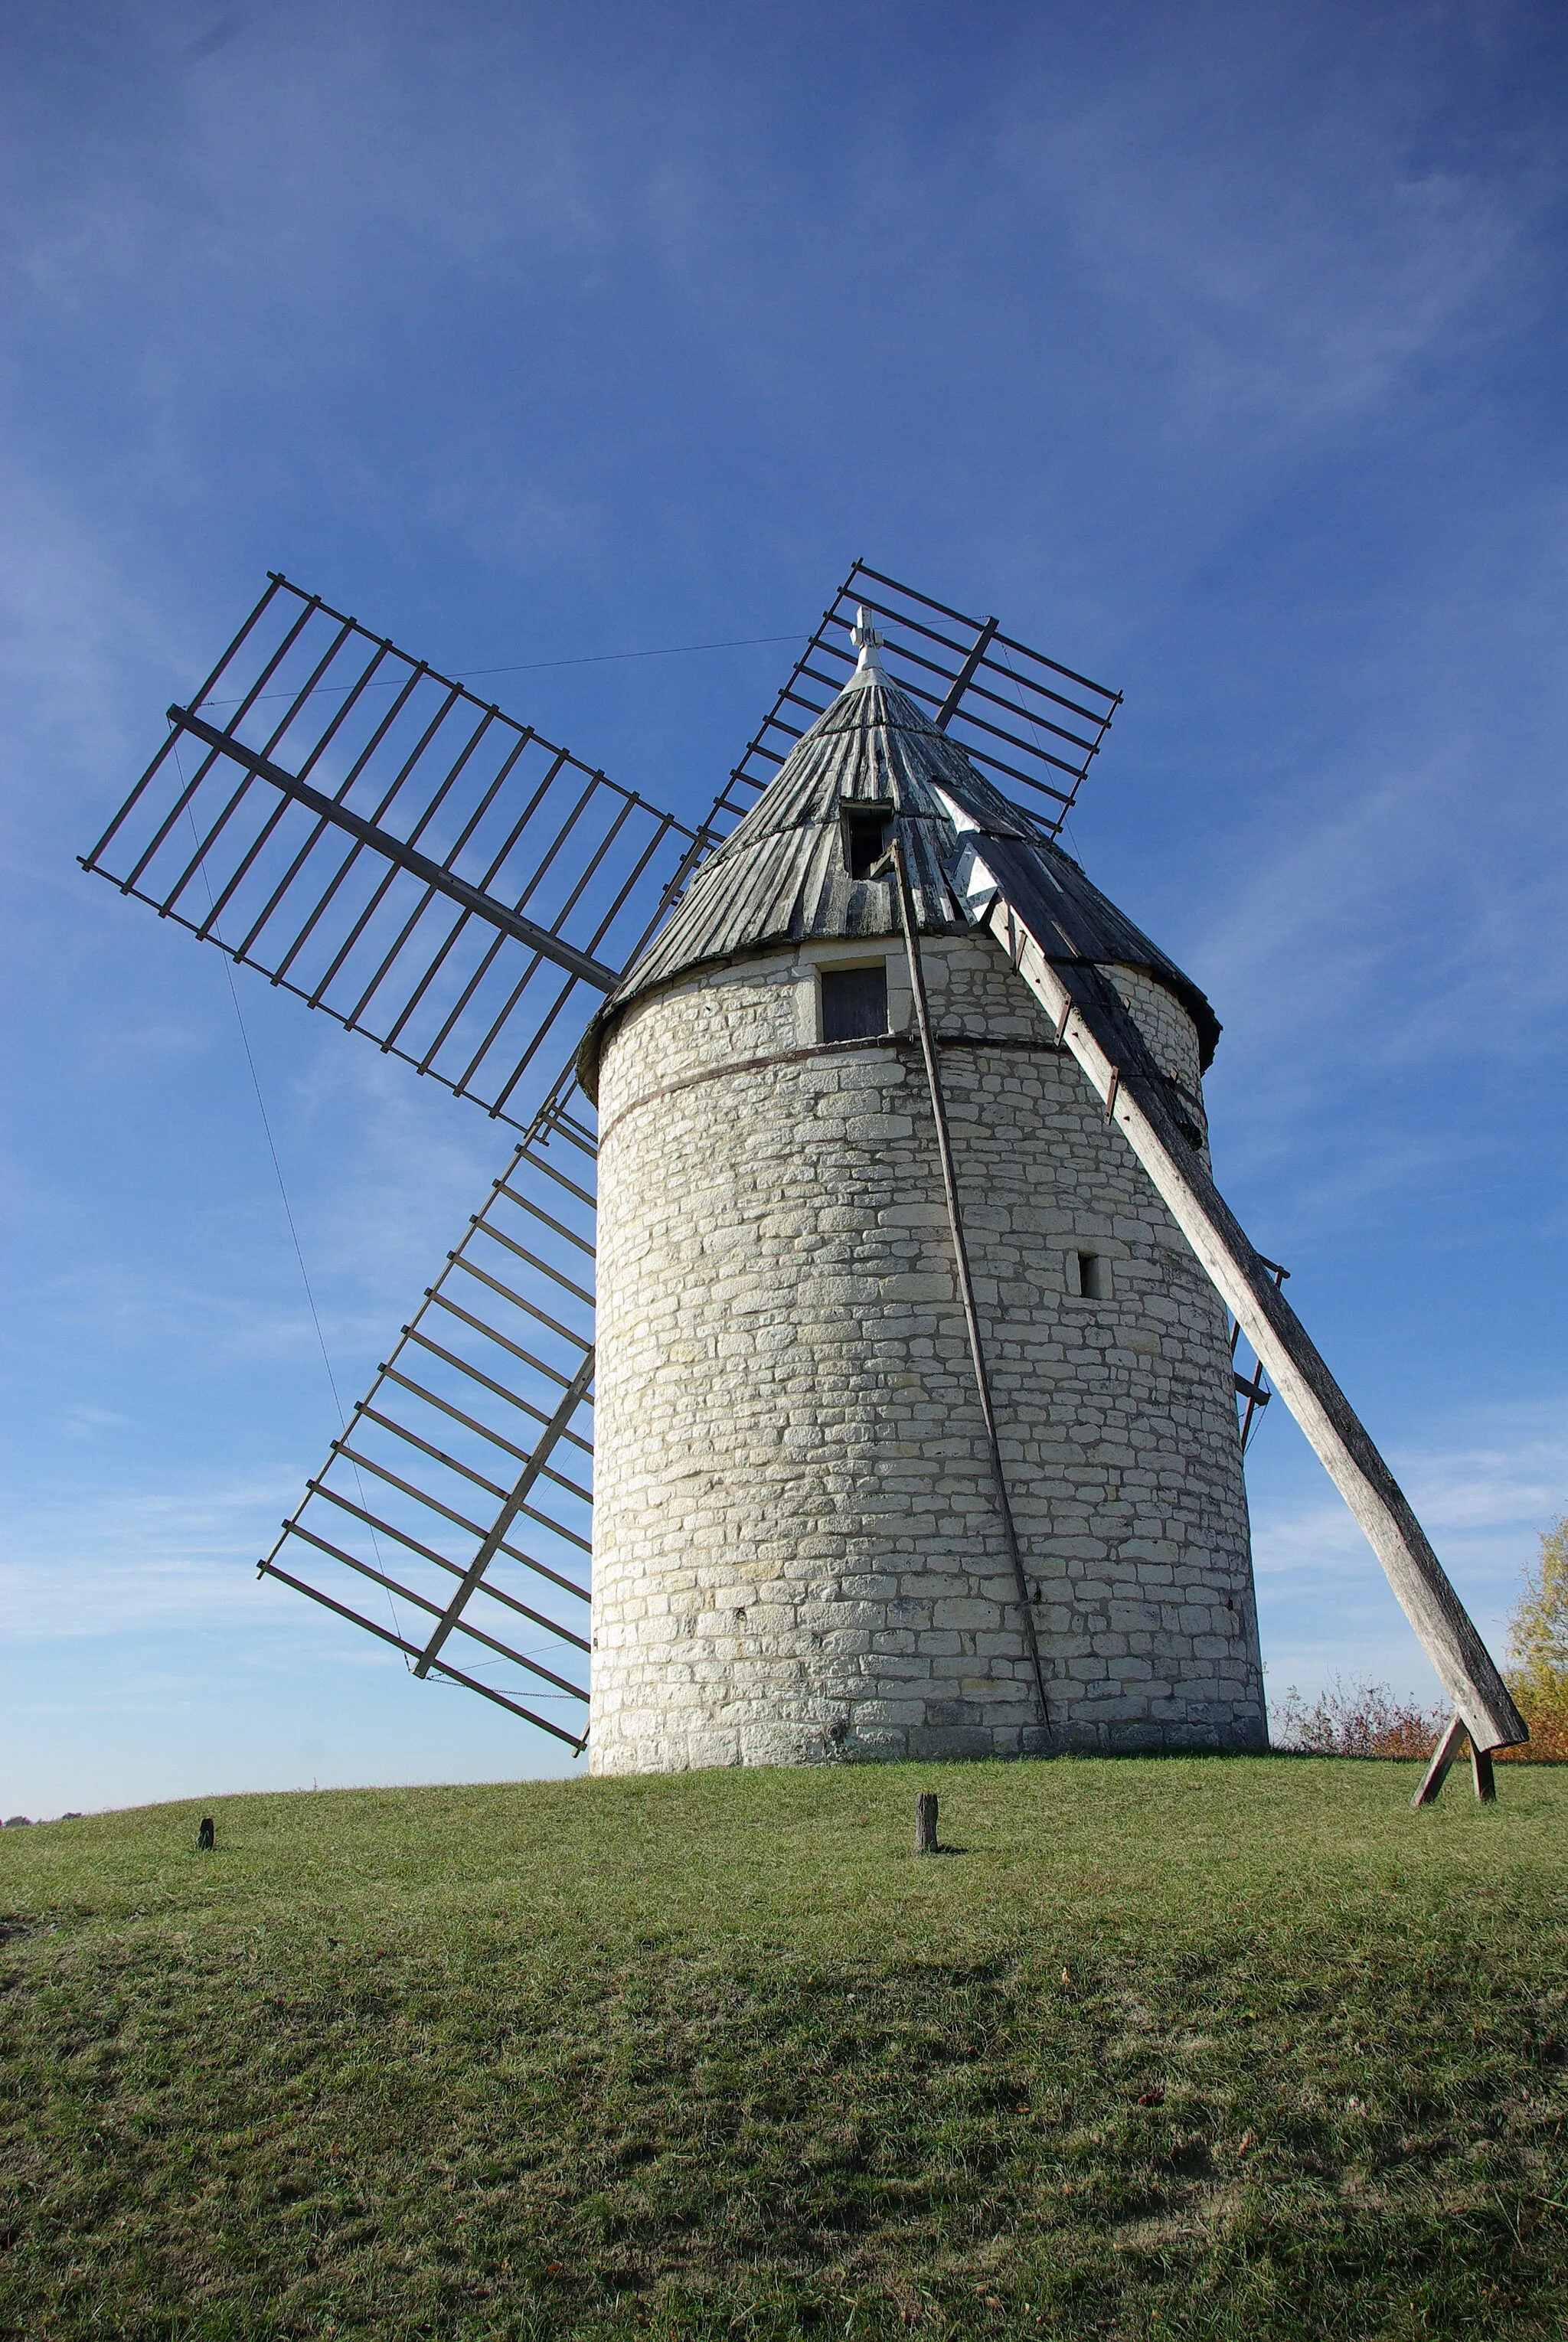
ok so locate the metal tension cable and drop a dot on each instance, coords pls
(895, 856)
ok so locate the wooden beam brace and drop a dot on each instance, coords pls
(1442, 1757)
(999, 879)
(1444, 1754)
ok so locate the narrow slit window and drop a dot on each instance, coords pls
(854, 1002)
(866, 835)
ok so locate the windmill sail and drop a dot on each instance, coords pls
(372, 837)
(452, 1518)
(391, 850)
(1026, 721)
(1008, 887)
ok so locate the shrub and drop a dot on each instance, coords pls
(1358, 1719)
(1366, 1719)
(1548, 1741)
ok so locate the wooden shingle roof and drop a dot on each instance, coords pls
(782, 878)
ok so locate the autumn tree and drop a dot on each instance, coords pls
(1538, 1632)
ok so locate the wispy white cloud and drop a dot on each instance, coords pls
(1278, 318)
(123, 1558)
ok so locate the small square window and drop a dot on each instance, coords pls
(854, 1003)
(865, 836)
(1089, 1275)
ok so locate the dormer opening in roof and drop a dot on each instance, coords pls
(866, 831)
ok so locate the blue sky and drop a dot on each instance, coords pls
(1218, 349)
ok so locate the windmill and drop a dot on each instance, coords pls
(918, 1407)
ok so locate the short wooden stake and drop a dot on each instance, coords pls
(925, 1822)
(1485, 1778)
(206, 1838)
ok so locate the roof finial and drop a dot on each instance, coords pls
(867, 642)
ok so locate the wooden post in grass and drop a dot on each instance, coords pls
(925, 1822)
(1444, 1754)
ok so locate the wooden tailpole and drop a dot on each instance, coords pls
(1008, 892)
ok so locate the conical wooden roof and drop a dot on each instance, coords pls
(781, 877)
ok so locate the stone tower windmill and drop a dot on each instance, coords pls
(800, 1545)
(915, 1392)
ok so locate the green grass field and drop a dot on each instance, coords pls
(1167, 2048)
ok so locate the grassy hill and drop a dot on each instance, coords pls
(1182, 2048)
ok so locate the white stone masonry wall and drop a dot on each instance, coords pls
(797, 1555)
